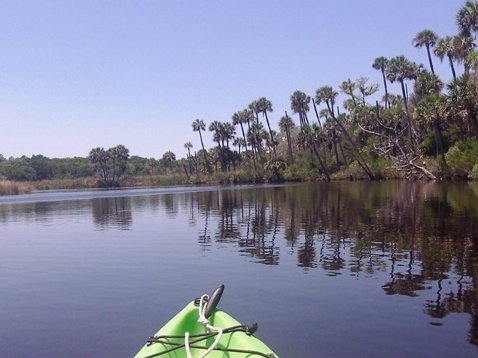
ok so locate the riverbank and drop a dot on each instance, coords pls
(292, 174)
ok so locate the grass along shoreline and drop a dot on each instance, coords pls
(293, 174)
(8, 187)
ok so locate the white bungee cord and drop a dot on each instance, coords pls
(205, 322)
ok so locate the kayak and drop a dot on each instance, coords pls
(202, 330)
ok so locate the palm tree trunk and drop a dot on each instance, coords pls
(270, 133)
(342, 151)
(290, 157)
(409, 120)
(439, 142)
(321, 163)
(430, 58)
(361, 161)
(336, 153)
(243, 136)
(387, 105)
(316, 113)
(450, 59)
(208, 166)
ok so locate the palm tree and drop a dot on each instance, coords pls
(254, 107)
(285, 125)
(432, 111)
(239, 143)
(464, 96)
(381, 64)
(263, 106)
(240, 118)
(446, 47)
(99, 158)
(467, 18)
(229, 132)
(119, 156)
(255, 137)
(199, 126)
(428, 39)
(188, 146)
(426, 84)
(300, 105)
(245, 116)
(168, 160)
(327, 95)
(463, 47)
(218, 136)
(401, 69)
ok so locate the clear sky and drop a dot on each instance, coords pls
(79, 74)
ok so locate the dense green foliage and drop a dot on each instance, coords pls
(38, 167)
(429, 129)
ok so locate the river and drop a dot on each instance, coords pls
(341, 269)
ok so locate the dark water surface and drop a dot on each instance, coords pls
(352, 269)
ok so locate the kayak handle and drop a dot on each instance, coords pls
(213, 301)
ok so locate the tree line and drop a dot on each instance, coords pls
(429, 129)
(107, 165)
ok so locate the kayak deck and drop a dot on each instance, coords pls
(236, 341)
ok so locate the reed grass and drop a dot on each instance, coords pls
(8, 187)
(59, 184)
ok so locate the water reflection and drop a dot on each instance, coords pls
(418, 240)
(421, 235)
(112, 212)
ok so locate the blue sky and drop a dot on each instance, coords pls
(82, 74)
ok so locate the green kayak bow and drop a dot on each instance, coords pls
(201, 330)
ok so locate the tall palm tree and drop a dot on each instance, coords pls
(216, 127)
(255, 137)
(432, 111)
(254, 107)
(188, 146)
(464, 95)
(467, 18)
(240, 118)
(327, 95)
(263, 106)
(446, 47)
(300, 105)
(426, 84)
(228, 132)
(246, 116)
(218, 136)
(285, 125)
(239, 143)
(463, 47)
(381, 64)
(401, 69)
(428, 39)
(200, 126)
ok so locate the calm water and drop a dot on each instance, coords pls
(327, 270)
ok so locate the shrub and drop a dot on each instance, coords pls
(474, 173)
(462, 157)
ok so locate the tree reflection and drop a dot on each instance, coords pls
(112, 212)
(417, 232)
